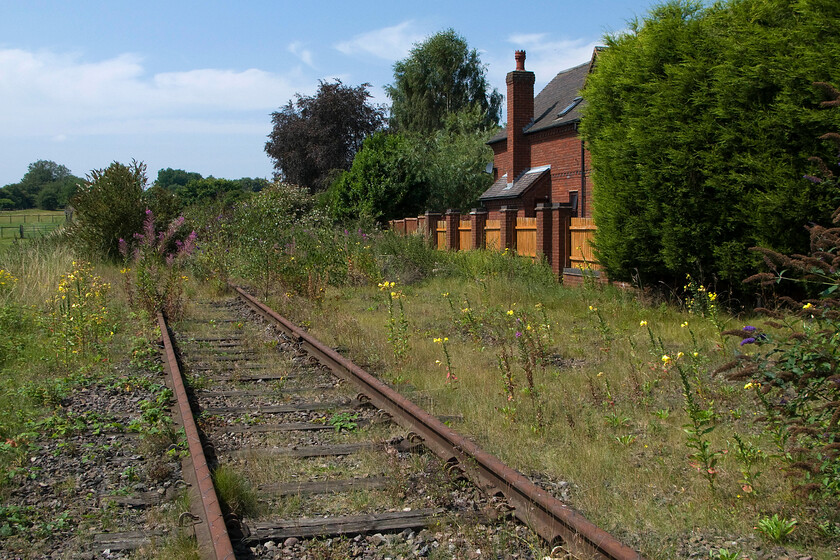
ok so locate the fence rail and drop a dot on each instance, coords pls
(31, 218)
(23, 232)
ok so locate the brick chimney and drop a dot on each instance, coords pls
(520, 113)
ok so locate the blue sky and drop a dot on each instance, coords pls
(191, 85)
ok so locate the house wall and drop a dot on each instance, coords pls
(560, 148)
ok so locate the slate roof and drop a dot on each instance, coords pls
(556, 96)
(502, 189)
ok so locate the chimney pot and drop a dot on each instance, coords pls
(520, 60)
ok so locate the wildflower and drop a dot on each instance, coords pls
(680, 355)
(695, 354)
(808, 306)
(438, 340)
(445, 294)
(748, 328)
(712, 296)
(518, 334)
(748, 385)
(600, 373)
(666, 358)
(538, 306)
(684, 325)
(749, 340)
(437, 362)
(642, 323)
(465, 310)
(510, 312)
(445, 339)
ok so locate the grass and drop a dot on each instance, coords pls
(606, 413)
(36, 223)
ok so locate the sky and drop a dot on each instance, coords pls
(192, 85)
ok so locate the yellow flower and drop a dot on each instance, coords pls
(680, 355)
(445, 339)
(438, 340)
(642, 323)
(712, 296)
(445, 294)
(591, 308)
(808, 306)
(695, 354)
(600, 373)
(684, 325)
(510, 312)
(393, 294)
(748, 386)
(666, 358)
(465, 310)
(538, 306)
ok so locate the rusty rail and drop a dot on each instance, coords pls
(554, 521)
(220, 545)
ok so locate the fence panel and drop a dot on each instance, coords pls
(526, 237)
(440, 232)
(582, 255)
(464, 237)
(492, 234)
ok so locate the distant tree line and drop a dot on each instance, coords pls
(45, 185)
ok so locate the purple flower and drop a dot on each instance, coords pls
(748, 328)
(749, 340)
(518, 334)
(148, 212)
(813, 179)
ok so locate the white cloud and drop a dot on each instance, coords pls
(389, 43)
(305, 55)
(43, 93)
(546, 57)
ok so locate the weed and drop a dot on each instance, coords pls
(238, 495)
(748, 456)
(776, 529)
(397, 322)
(702, 422)
(724, 554)
(450, 374)
(344, 421)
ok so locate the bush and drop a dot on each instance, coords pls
(700, 122)
(109, 207)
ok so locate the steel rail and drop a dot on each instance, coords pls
(221, 547)
(554, 521)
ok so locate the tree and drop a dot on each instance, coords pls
(383, 183)
(109, 207)
(313, 136)
(700, 122)
(441, 76)
(173, 178)
(46, 185)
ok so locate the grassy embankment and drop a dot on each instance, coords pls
(605, 410)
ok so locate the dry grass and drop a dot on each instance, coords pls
(612, 411)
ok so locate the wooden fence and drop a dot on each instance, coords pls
(581, 254)
(565, 242)
(493, 235)
(526, 237)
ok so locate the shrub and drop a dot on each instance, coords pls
(109, 207)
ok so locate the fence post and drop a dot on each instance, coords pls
(453, 220)
(478, 216)
(21, 229)
(432, 219)
(422, 226)
(560, 251)
(507, 227)
(543, 231)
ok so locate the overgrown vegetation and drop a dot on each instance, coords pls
(701, 121)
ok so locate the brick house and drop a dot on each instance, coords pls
(538, 156)
(540, 203)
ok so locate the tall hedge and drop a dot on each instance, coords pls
(700, 122)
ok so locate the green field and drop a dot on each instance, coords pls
(35, 223)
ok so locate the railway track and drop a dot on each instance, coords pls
(297, 452)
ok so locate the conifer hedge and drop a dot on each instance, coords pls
(701, 122)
